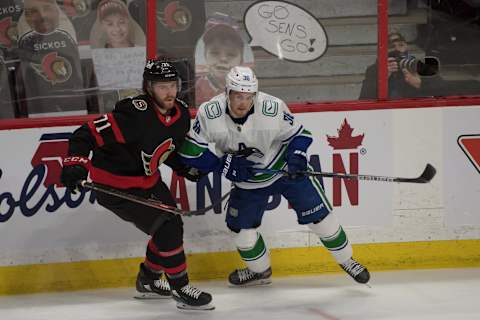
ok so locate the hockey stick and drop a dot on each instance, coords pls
(149, 202)
(426, 176)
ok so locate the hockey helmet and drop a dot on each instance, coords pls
(241, 79)
(160, 70)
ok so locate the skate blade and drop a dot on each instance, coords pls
(260, 282)
(186, 307)
(150, 296)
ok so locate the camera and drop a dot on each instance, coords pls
(405, 61)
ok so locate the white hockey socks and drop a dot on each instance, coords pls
(252, 250)
(333, 238)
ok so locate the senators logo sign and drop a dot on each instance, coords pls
(76, 8)
(8, 32)
(54, 68)
(470, 145)
(175, 17)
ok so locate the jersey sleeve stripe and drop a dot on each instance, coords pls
(189, 137)
(95, 134)
(190, 149)
(278, 163)
(293, 135)
(116, 129)
(306, 133)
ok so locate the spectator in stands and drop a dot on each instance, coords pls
(50, 79)
(223, 49)
(402, 83)
(114, 28)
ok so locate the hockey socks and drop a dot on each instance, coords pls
(336, 241)
(252, 250)
(333, 238)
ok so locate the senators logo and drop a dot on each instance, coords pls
(161, 153)
(175, 17)
(470, 145)
(54, 68)
(76, 8)
(8, 32)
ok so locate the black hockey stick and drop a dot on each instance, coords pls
(149, 202)
(426, 176)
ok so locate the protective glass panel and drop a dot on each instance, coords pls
(69, 57)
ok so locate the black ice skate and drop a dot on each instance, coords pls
(245, 277)
(356, 270)
(151, 286)
(191, 298)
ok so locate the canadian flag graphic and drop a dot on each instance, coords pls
(470, 145)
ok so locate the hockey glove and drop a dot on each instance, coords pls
(191, 174)
(236, 168)
(73, 172)
(296, 162)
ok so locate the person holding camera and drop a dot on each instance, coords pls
(404, 80)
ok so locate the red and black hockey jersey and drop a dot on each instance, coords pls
(131, 142)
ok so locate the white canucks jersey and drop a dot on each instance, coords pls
(269, 129)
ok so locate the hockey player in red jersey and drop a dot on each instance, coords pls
(128, 145)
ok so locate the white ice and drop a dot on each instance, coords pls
(445, 294)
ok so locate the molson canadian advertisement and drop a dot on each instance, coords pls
(41, 222)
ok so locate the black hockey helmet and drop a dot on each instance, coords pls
(159, 70)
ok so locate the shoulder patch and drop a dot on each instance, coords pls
(270, 108)
(140, 104)
(213, 109)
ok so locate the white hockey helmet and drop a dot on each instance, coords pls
(241, 79)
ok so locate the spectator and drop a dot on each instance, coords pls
(114, 28)
(50, 72)
(223, 48)
(402, 83)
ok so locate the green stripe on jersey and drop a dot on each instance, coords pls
(305, 132)
(337, 241)
(279, 164)
(190, 149)
(254, 253)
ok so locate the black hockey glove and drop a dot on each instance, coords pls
(296, 162)
(236, 168)
(191, 173)
(73, 172)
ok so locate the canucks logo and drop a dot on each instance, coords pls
(213, 110)
(270, 108)
(54, 68)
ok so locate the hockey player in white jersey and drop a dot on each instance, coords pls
(244, 118)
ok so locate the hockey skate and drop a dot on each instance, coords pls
(191, 298)
(356, 270)
(245, 277)
(151, 286)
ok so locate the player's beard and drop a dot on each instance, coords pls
(165, 104)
